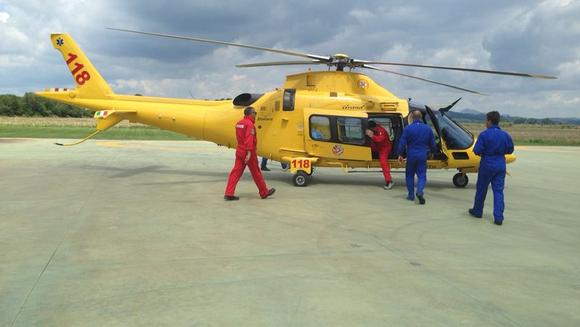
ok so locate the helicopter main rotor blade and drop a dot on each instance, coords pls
(497, 72)
(286, 52)
(422, 79)
(282, 63)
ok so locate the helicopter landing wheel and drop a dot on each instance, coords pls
(460, 180)
(301, 178)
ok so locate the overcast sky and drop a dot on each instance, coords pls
(530, 36)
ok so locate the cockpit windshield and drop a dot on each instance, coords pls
(455, 136)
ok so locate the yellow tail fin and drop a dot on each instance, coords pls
(89, 83)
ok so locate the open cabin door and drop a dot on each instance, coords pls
(393, 123)
(455, 139)
(441, 147)
(336, 134)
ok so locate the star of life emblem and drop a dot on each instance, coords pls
(337, 150)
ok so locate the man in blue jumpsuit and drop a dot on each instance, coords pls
(492, 145)
(417, 140)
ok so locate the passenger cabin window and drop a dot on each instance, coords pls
(350, 130)
(289, 97)
(320, 128)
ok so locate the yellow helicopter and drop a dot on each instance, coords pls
(317, 119)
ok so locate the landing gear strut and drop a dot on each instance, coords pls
(460, 180)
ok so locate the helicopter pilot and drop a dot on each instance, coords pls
(246, 156)
(381, 143)
(492, 145)
(417, 140)
(317, 135)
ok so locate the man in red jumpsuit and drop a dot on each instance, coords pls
(381, 143)
(246, 155)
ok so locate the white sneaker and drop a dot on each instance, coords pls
(389, 186)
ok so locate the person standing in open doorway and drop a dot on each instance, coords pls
(381, 143)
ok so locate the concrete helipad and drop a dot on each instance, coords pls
(118, 233)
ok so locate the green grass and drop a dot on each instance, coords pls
(72, 132)
(547, 142)
(523, 136)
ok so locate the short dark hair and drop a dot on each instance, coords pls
(249, 111)
(416, 114)
(493, 117)
(372, 124)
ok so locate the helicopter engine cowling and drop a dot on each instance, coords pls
(246, 99)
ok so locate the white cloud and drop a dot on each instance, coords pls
(10, 61)
(4, 16)
(524, 35)
(557, 3)
(362, 14)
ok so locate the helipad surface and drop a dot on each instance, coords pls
(117, 233)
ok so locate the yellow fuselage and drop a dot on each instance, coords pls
(284, 123)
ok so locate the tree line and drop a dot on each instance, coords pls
(31, 105)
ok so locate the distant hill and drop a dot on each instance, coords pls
(467, 116)
(471, 111)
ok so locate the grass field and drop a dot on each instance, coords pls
(75, 128)
(537, 134)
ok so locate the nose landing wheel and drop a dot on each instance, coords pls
(460, 180)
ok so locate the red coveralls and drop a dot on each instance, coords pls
(247, 140)
(381, 144)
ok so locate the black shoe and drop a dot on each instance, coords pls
(497, 222)
(421, 198)
(472, 213)
(270, 192)
(264, 169)
(388, 186)
(231, 197)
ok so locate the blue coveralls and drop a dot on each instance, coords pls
(416, 141)
(492, 145)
